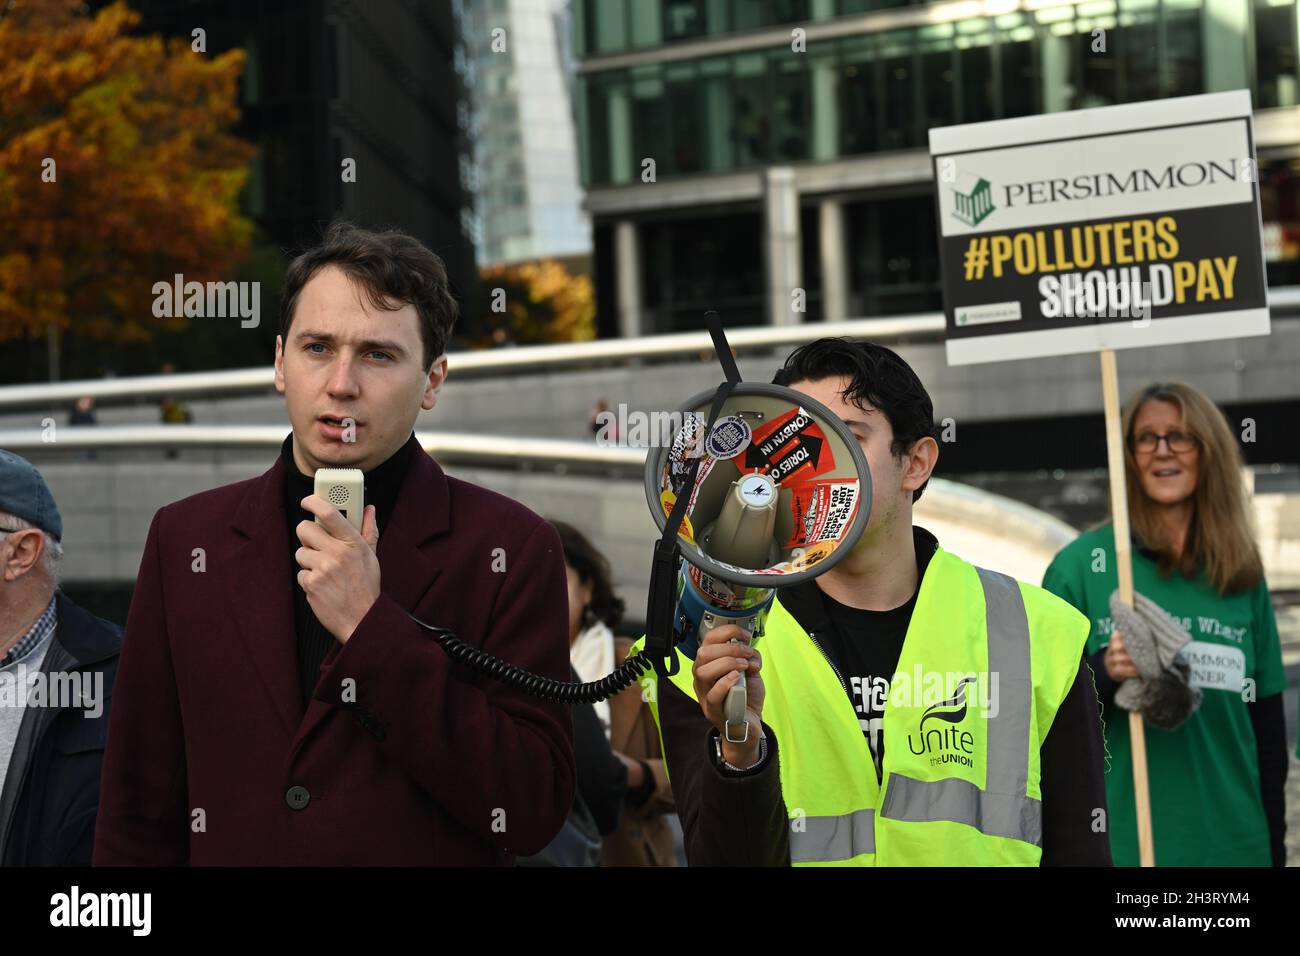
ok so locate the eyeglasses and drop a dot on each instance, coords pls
(1148, 442)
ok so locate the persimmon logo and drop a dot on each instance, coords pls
(972, 199)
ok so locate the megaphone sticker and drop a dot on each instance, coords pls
(800, 560)
(668, 499)
(792, 446)
(729, 437)
(822, 511)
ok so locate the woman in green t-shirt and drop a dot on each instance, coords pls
(1217, 780)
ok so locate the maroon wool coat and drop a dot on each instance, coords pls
(433, 765)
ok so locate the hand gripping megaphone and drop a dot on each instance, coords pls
(761, 487)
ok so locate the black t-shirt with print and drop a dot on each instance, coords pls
(864, 647)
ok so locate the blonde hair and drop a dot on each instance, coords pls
(1221, 535)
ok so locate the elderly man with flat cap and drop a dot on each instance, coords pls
(57, 664)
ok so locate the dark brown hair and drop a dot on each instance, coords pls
(593, 568)
(393, 268)
(876, 374)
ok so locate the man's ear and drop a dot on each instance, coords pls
(433, 387)
(28, 548)
(279, 364)
(920, 462)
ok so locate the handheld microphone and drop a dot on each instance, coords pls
(344, 488)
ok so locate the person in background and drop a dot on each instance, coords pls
(643, 836)
(604, 425)
(83, 413)
(1217, 779)
(172, 410)
(51, 755)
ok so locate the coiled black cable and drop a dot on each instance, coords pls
(558, 691)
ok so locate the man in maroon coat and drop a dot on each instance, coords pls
(275, 703)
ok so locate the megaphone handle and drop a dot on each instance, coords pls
(734, 709)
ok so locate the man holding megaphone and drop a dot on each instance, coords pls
(908, 708)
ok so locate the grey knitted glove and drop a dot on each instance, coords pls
(1161, 692)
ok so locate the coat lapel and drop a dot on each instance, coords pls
(407, 572)
(259, 591)
(421, 513)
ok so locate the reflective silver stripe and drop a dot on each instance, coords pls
(1005, 808)
(1016, 816)
(1008, 637)
(828, 839)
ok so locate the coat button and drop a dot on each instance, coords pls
(297, 797)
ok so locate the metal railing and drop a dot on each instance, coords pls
(449, 446)
(944, 499)
(531, 358)
(926, 326)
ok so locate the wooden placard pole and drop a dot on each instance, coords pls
(1124, 568)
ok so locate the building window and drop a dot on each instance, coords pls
(898, 91)
(606, 25)
(692, 265)
(938, 76)
(1275, 55)
(683, 19)
(1184, 57)
(646, 23)
(893, 256)
(1279, 194)
(975, 66)
(650, 119)
(751, 98)
(856, 92)
(1018, 62)
(790, 107)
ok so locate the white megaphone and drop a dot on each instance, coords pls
(781, 492)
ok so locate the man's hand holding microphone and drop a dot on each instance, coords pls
(718, 665)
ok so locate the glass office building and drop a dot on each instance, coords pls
(843, 92)
(525, 182)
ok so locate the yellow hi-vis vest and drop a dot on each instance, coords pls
(985, 664)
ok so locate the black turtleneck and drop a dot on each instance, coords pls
(381, 487)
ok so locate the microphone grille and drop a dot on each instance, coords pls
(338, 494)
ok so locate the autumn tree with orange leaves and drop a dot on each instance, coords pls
(535, 302)
(117, 170)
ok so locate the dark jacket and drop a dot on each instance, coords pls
(210, 759)
(51, 792)
(602, 777)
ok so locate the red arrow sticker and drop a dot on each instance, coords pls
(792, 447)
